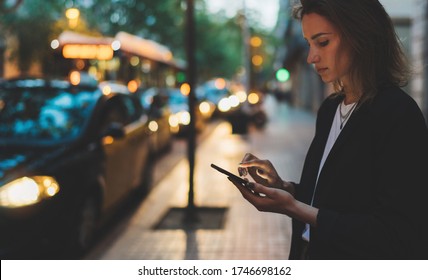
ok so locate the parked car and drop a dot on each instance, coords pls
(180, 115)
(218, 93)
(69, 156)
(155, 102)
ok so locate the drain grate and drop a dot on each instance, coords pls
(198, 218)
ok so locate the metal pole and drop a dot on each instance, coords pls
(246, 45)
(191, 78)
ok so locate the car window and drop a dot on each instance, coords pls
(133, 109)
(42, 115)
(176, 97)
(121, 109)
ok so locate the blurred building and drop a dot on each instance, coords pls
(2, 50)
(420, 54)
(307, 90)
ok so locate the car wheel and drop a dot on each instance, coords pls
(85, 226)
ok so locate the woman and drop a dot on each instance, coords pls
(364, 181)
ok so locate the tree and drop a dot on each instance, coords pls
(218, 38)
(219, 46)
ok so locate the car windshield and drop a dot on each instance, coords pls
(40, 114)
(176, 97)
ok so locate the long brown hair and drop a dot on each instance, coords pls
(377, 56)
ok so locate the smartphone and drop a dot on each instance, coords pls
(233, 176)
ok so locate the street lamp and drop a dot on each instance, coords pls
(256, 41)
(72, 14)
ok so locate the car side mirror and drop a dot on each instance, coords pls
(115, 130)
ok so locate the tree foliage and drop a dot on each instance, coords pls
(219, 42)
(30, 23)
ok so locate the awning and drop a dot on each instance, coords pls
(79, 46)
(70, 37)
(145, 48)
(76, 45)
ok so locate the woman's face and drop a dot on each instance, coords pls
(330, 58)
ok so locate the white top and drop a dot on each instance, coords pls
(335, 130)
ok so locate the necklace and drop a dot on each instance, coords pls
(345, 116)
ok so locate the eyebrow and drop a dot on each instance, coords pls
(320, 34)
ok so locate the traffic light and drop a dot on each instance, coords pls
(282, 75)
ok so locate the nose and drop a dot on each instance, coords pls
(313, 56)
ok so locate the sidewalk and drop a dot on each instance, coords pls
(247, 233)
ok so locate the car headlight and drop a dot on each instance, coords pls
(204, 108)
(242, 96)
(234, 101)
(184, 117)
(153, 126)
(224, 105)
(27, 190)
(173, 121)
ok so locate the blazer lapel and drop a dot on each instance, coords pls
(351, 126)
(355, 121)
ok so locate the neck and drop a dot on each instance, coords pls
(351, 97)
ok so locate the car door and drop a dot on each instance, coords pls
(126, 155)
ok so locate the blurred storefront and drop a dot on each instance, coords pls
(125, 58)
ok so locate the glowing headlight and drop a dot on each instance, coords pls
(242, 96)
(27, 190)
(153, 126)
(173, 121)
(204, 107)
(234, 101)
(184, 117)
(224, 105)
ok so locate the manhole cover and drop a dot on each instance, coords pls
(198, 218)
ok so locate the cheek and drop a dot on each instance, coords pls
(343, 62)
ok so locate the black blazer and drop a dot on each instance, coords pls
(373, 187)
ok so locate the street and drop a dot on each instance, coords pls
(244, 233)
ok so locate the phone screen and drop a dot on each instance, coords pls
(229, 174)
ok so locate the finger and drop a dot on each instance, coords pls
(263, 190)
(242, 171)
(252, 163)
(263, 174)
(245, 189)
(248, 157)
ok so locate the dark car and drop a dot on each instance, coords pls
(69, 155)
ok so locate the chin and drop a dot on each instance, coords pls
(327, 80)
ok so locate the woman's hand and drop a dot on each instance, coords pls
(263, 172)
(266, 199)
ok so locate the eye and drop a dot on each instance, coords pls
(324, 43)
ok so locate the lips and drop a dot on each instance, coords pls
(321, 70)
